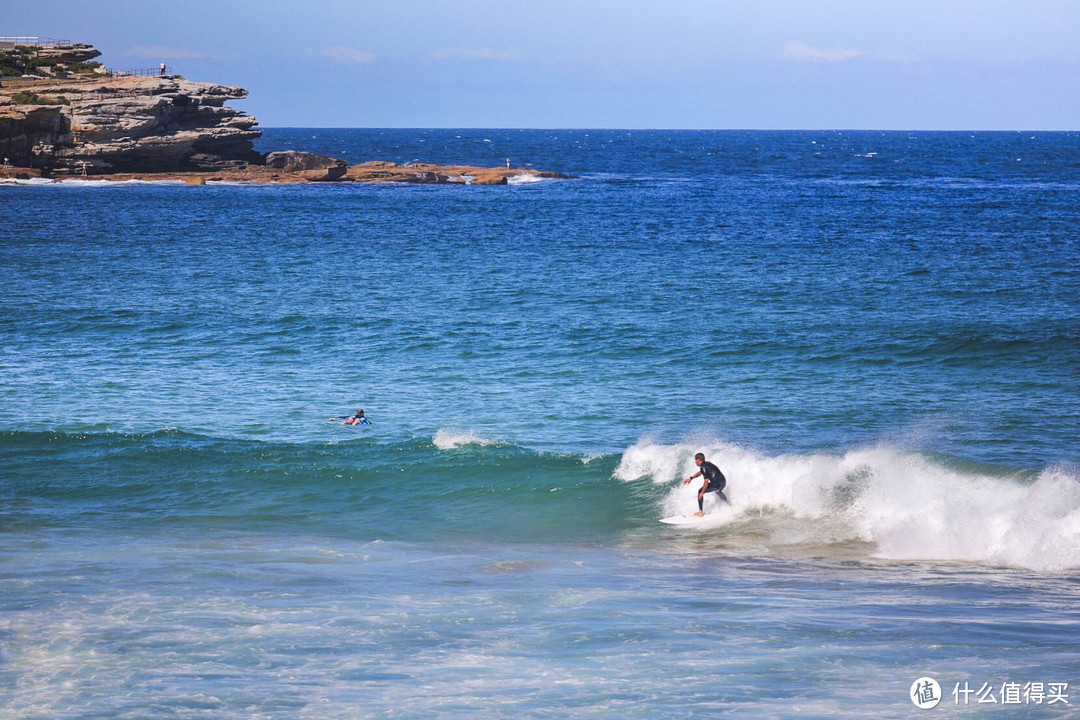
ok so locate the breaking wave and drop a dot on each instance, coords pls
(910, 506)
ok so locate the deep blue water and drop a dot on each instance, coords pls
(875, 335)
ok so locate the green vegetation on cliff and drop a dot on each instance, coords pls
(27, 97)
(27, 60)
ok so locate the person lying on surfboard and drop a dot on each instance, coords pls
(357, 419)
(714, 482)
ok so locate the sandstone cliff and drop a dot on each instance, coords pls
(62, 116)
(125, 124)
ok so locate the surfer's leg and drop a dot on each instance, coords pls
(723, 496)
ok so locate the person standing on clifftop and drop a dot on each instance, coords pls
(162, 68)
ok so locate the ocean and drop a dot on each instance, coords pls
(874, 335)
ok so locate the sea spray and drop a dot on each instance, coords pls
(449, 439)
(916, 509)
(908, 505)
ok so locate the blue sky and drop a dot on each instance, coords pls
(874, 64)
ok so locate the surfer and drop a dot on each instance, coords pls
(357, 419)
(714, 482)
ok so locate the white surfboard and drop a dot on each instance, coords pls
(684, 519)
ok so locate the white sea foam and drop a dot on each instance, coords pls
(523, 179)
(81, 182)
(26, 181)
(448, 439)
(909, 506)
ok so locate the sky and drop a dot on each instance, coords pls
(723, 64)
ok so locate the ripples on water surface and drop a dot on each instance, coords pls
(873, 334)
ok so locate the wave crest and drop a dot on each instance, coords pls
(908, 505)
(448, 439)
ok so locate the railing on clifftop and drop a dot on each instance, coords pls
(11, 41)
(142, 72)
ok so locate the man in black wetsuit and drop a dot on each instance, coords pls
(714, 482)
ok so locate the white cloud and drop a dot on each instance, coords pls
(800, 52)
(158, 52)
(472, 54)
(347, 54)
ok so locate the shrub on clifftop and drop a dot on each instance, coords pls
(27, 97)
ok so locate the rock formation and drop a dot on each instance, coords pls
(82, 120)
(126, 124)
(67, 53)
(388, 172)
(309, 166)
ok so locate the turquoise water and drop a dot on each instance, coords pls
(874, 335)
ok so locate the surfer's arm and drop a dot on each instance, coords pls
(687, 480)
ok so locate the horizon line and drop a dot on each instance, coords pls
(657, 129)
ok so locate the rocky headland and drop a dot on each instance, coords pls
(126, 124)
(61, 123)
